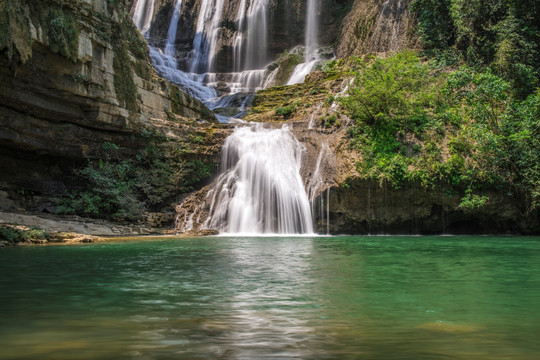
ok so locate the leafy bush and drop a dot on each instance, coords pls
(10, 234)
(504, 35)
(14, 234)
(286, 111)
(63, 34)
(124, 189)
(464, 128)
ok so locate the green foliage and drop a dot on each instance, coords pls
(18, 234)
(63, 34)
(464, 128)
(435, 26)
(36, 234)
(330, 121)
(286, 111)
(501, 34)
(472, 201)
(10, 234)
(389, 89)
(123, 190)
(520, 132)
(15, 37)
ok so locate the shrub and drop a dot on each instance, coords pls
(63, 34)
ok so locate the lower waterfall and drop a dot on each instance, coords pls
(260, 190)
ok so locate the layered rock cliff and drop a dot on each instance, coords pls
(75, 76)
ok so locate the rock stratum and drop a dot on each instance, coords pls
(75, 76)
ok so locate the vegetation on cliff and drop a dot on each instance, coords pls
(122, 189)
(503, 35)
(417, 122)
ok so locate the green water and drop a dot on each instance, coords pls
(274, 298)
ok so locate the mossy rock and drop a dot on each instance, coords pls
(15, 35)
(63, 34)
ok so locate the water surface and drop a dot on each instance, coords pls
(273, 298)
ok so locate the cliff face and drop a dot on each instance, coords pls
(374, 26)
(368, 207)
(75, 75)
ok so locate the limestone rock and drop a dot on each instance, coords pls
(61, 101)
(376, 26)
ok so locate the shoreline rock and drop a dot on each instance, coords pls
(70, 229)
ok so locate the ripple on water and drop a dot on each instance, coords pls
(277, 298)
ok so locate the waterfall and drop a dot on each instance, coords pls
(257, 40)
(311, 57)
(165, 62)
(239, 38)
(260, 190)
(312, 30)
(142, 15)
(170, 47)
(206, 37)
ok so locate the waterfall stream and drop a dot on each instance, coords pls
(164, 60)
(311, 47)
(206, 38)
(142, 15)
(260, 190)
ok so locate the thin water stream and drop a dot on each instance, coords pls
(273, 298)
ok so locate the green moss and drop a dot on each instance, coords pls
(286, 111)
(286, 67)
(124, 85)
(136, 42)
(63, 34)
(144, 70)
(177, 103)
(15, 38)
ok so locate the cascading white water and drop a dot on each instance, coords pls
(249, 48)
(166, 64)
(239, 37)
(257, 39)
(260, 190)
(142, 15)
(170, 46)
(311, 57)
(206, 36)
(312, 30)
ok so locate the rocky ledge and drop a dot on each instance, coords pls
(20, 235)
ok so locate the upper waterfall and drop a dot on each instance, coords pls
(202, 57)
(312, 30)
(220, 48)
(311, 47)
(142, 15)
(257, 41)
(170, 46)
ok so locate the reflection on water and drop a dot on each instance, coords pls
(276, 298)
